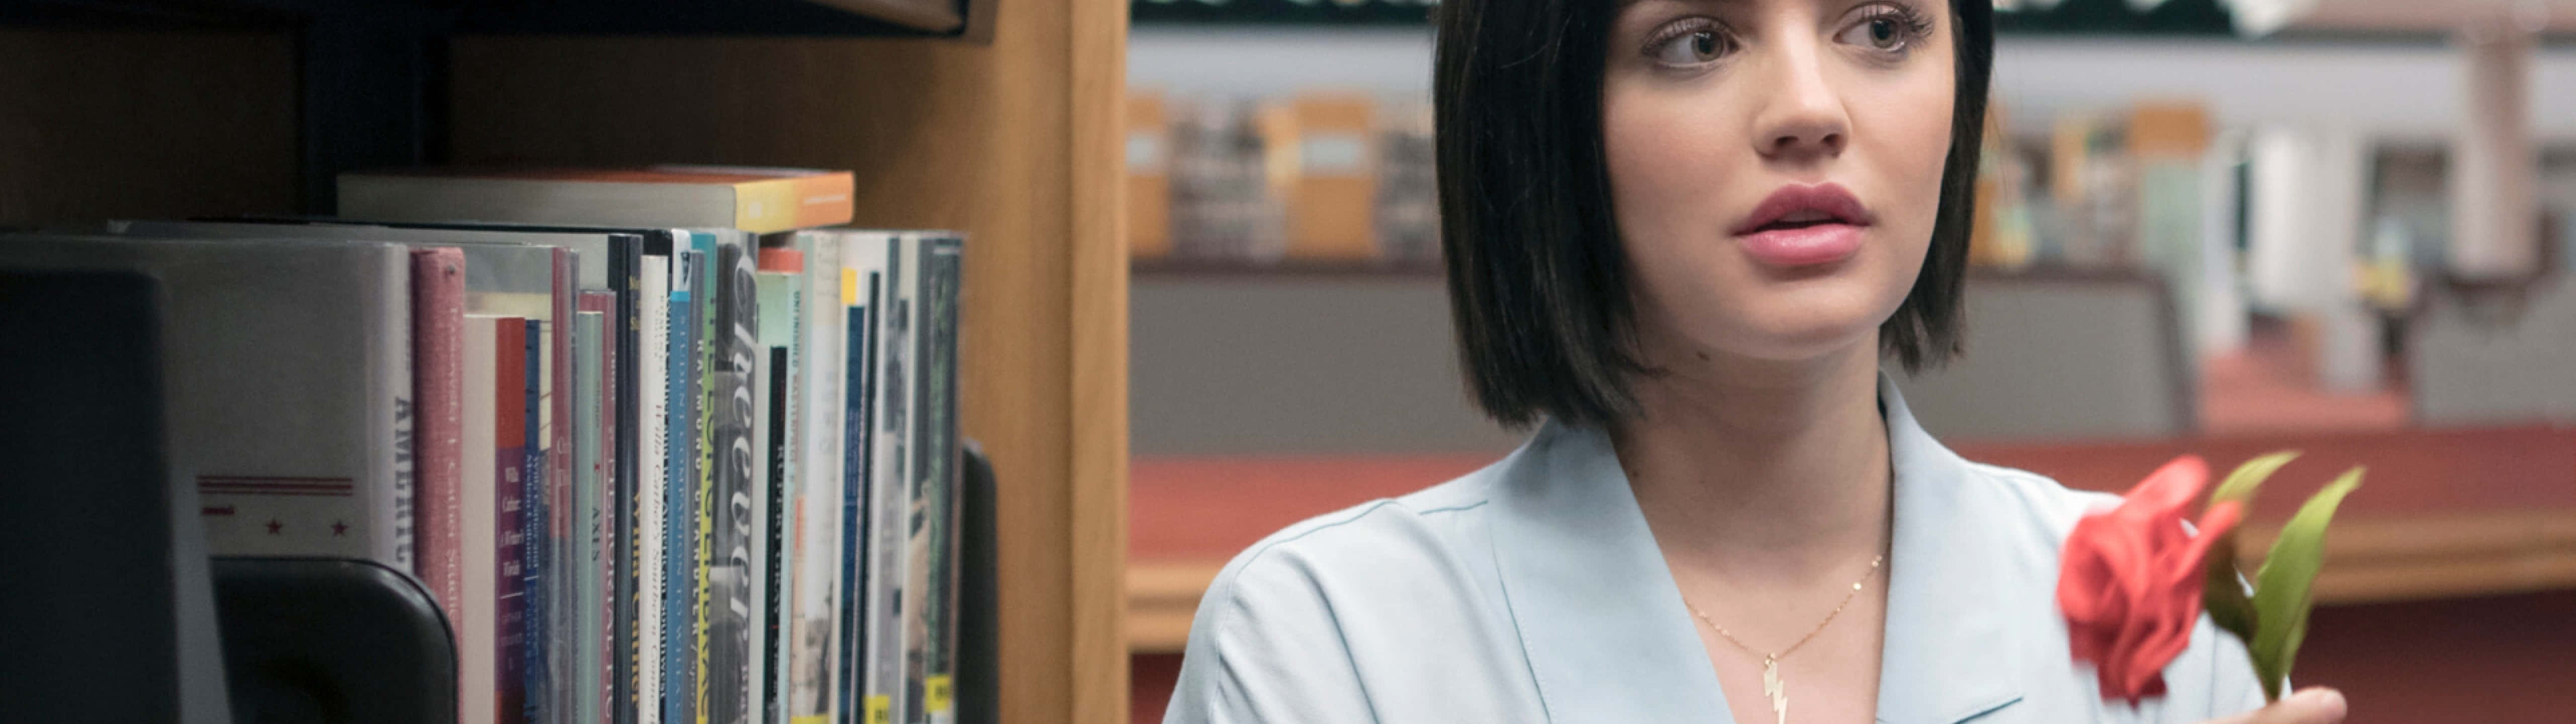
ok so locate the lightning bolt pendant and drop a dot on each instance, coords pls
(1771, 687)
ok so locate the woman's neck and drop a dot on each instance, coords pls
(1762, 470)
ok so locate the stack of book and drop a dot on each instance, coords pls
(664, 444)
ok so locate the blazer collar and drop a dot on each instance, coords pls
(1609, 639)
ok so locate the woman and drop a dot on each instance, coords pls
(1681, 235)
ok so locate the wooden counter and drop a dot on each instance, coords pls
(2442, 515)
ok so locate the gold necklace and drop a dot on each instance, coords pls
(1771, 684)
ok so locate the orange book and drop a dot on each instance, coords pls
(1149, 180)
(1332, 202)
(756, 200)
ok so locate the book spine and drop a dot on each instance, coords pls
(891, 485)
(942, 268)
(478, 572)
(702, 504)
(532, 526)
(858, 453)
(778, 447)
(585, 666)
(510, 460)
(731, 577)
(821, 374)
(438, 311)
(782, 311)
(621, 403)
(651, 491)
(554, 572)
(392, 417)
(756, 554)
(677, 644)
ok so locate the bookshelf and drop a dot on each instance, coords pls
(1006, 127)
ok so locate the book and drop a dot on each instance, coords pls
(851, 624)
(815, 517)
(584, 660)
(756, 200)
(289, 379)
(526, 518)
(781, 287)
(933, 546)
(477, 626)
(678, 607)
(512, 462)
(754, 556)
(438, 311)
(727, 518)
(651, 496)
(885, 256)
(864, 292)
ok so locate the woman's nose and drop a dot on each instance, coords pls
(1802, 115)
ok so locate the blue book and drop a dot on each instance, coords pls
(854, 529)
(532, 530)
(680, 477)
(702, 442)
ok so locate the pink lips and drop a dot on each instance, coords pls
(1800, 226)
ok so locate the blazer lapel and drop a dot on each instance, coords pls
(1948, 655)
(1604, 628)
(1609, 640)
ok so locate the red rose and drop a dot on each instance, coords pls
(2130, 579)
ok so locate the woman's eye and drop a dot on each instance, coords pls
(1691, 48)
(1885, 32)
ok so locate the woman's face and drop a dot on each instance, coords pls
(1775, 166)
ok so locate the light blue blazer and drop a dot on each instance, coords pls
(1531, 591)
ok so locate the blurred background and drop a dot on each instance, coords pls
(2224, 226)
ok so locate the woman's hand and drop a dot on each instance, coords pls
(2314, 705)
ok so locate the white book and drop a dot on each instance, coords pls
(817, 521)
(900, 498)
(651, 489)
(478, 493)
(288, 370)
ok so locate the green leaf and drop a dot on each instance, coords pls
(2283, 591)
(2241, 485)
(2223, 591)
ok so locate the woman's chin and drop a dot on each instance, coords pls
(1809, 330)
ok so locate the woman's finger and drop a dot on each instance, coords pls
(2318, 705)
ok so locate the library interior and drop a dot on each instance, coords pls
(944, 362)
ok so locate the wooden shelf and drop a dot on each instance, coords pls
(372, 75)
(587, 17)
(2367, 561)
(1016, 141)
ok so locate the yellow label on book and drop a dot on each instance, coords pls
(762, 207)
(936, 694)
(849, 286)
(810, 719)
(880, 709)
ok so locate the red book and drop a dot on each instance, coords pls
(438, 310)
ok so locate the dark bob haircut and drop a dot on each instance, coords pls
(1538, 287)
